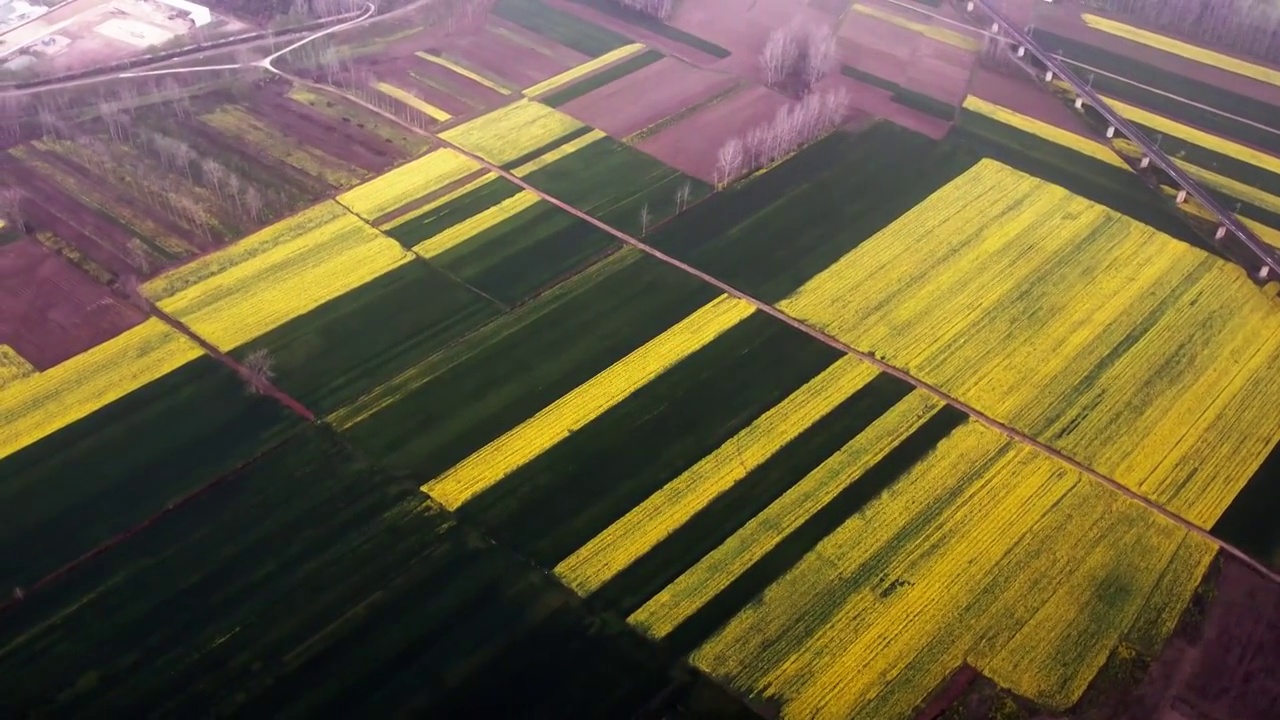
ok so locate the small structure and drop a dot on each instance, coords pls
(198, 14)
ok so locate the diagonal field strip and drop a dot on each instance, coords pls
(489, 465)
(442, 62)
(652, 521)
(973, 412)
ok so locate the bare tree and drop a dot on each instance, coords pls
(253, 203)
(259, 368)
(781, 51)
(644, 220)
(682, 196)
(798, 56)
(730, 161)
(213, 174)
(819, 54)
(11, 207)
(660, 9)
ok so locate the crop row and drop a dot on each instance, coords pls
(510, 132)
(393, 189)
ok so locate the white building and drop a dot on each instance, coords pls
(198, 14)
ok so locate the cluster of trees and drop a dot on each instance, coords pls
(796, 56)
(1251, 27)
(660, 9)
(794, 126)
(286, 12)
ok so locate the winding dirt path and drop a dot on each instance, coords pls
(833, 342)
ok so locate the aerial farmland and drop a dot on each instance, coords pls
(874, 359)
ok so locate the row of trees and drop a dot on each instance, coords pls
(794, 126)
(1251, 27)
(796, 57)
(660, 9)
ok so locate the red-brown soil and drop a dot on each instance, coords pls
(1064, 19)
(906, 57)
(512, 56)
(1022, 94)
(743, 26)
(666, 45)
(646, 96)
(396, 71)
(342, 140)
(691, 145)
(475, 94)
(50, 311)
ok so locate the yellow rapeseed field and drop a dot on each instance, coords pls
(1141, 356)
(13, 366)
(1098, 151)
(238, 294)
(438, 202)
(679, 600)
(1195, 136)
(40, 404)
(444, 63)
(489, 465)
(412, 100)
(1187, 50)
(509, 132)
(476, 224)
(235, 122)
(393, 189)
(572, 74)
(647, 524)
(986, 551)
(563, 151)
(950, 37)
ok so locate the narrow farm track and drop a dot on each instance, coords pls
(822, 337)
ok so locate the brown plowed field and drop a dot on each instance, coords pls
(742, 26)
(691, 145)
(906, 57)
(511, 56)
(647, 96)
(476, 95)
(50, 311)
(1023, 96)
(343, 141)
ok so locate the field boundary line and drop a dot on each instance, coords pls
(994, 424)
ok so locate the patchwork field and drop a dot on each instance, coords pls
(552, 474)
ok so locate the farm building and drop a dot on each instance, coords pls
(199, 14)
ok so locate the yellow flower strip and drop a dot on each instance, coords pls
(563, 151)
(249, 299)
(409, 380)
(41, 404)
(485, 468)
(943, 35)
(1098, 151)
(233, 121)
(13, 366)
(572, 74)
(702, 582)
(1196, 136)
(412, 180)
(476, 224)
(770, 640)
(1162, 611)
(442, 62)
(509, 132)
(439, 202)
(1268, 235)
(647, 524)
(1097, 305)
(1186, 50)
(412, 100)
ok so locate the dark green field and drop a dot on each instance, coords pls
(110, 471)
(650, 437)
(526, 253)
(568, 30)
(769, 234)
(349, 345)
(613, 183)
(1249, 522)
(436, 221)
(311, 584)
(496, 378)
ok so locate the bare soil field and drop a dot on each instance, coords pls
(1021, 95)
(512, 56)
(474, 94)
(343, 140)
(742, 27)
(690, 146)
(407, 74)
(666, 45)
(49, 311)
(645, 97)
(904, 56)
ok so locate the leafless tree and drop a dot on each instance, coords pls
(1251, 27)
(253, 203)
(11, 207)
(797, 56)
(644, 220)
(259, 368)
(213, 174)
(730, 161)
(682, 196)
(139, 255)
(792, 127)
(819, 54)
(660, 9)
(780, 55)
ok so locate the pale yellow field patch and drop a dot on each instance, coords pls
(412, 100)
(572, 74)
(509, 132)
(13, 366)
(1187, 50)
(444, 63)
(476, 224)
(559, 153)
(408, 182)
(943, 35)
